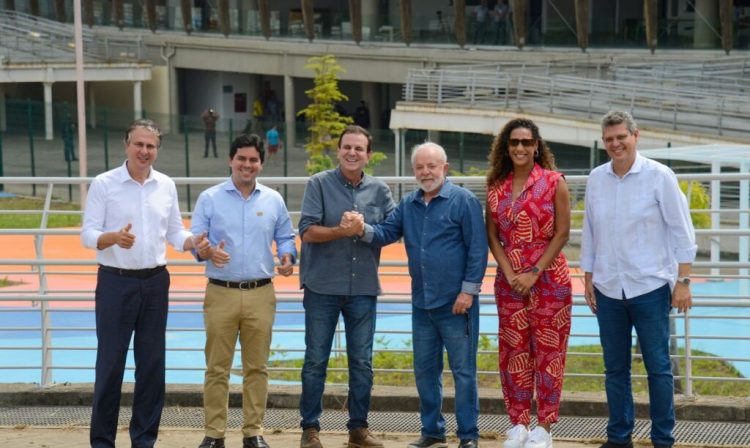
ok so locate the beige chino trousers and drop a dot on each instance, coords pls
(227, 314)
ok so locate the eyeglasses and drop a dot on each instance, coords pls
(526, 142)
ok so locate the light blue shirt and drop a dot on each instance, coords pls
(247, 226)
(636, 229)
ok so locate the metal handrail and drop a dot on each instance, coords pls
(665, 105)
(45, 267)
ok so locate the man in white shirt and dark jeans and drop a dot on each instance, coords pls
(131, 213)
(637, 250)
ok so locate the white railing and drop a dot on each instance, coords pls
(729, 308)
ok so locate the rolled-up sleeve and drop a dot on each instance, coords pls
(676, 214)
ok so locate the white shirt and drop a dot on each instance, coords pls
(116, 199)
(636, 229)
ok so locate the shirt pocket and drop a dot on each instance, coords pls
(374, 214)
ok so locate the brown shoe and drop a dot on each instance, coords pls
(363, 438)
(310, 439)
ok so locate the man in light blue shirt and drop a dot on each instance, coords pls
(637, 251)
(242, 218)
(446, 244)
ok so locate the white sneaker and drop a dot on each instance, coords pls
(516, 437)
(539, 438)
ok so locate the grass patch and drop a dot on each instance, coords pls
(582, 364)
(34, 219)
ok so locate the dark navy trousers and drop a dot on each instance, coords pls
(127, 305)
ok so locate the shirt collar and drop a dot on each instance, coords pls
(340, 176)
(125, 175)
(536, 173)
(229, 186)
(443, 193)
(636, 168)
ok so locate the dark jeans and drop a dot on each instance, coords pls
(649, 315)
(321, 316)
(433, 331)
(125, 305)
(210, 137)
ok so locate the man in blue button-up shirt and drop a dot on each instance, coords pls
(242, 218)
(446, 243)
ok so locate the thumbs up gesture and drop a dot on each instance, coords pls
(220, 257)
(124, 238)
(202, 246)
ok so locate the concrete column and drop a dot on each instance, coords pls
(289, 111)
(173, 106)
(137, 100)
(433, 136)
(398, 150)
(3, 115)
(92, 106)
(370, 13)
(371, 96)
(706, 21)
(48, 133)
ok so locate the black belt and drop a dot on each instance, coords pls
(250, 284)
(136, 273)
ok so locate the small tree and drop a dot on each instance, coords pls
(325, 122)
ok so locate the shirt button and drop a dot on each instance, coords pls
(354, 275)
(354, 258)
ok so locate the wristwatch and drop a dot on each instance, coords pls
(535, 270)
(684, 280)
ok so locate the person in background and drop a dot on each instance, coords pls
(209, 117)
(528, 223)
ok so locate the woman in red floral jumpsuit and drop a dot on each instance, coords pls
(528, 222)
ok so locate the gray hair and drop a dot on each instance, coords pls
(615, 117)
(146, 124)
(441, 151)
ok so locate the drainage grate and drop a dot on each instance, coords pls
(569, 428)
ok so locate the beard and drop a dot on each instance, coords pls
(434, 184)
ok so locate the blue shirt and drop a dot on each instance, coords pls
(272, 136)
(346, 266)
(247, 226)
(446, 243)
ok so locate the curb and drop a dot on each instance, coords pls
(384, 398)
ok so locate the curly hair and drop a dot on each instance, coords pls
(499, 159)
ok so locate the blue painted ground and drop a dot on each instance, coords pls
(186, 332)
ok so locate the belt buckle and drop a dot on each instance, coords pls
(245, 286)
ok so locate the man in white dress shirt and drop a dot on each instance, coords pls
(637, 250)
(131, 213)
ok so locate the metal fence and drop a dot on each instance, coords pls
(675, 105)
(730, 309)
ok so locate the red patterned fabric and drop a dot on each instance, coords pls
(534, 330)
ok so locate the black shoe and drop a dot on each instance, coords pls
(254, 442)
(468, 443)
(661, 445)
(210, 442)
(610, 444)
(429, 442)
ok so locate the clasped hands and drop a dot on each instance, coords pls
(523, 282)
(352, 224)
